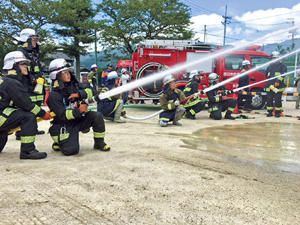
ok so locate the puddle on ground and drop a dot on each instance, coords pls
(275, 145)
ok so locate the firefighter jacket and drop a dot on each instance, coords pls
(244, 80)
(215, 97)
(167, 100)
(13, 95)
(35, 69)
(274, 70)
(191, 87)
(92, 77)
(66, 110)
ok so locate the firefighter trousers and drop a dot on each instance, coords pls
(27, 122)
(67, 135)
(272, 96)
(217, 109)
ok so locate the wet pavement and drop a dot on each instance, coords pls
(272, 145)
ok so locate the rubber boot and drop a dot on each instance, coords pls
(228, 116)
(101, 145)
(179, 113)
(118, 112)
(55, 147)
(190, 116)
(277, 113)
(270, 113)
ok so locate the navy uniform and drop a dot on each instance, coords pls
(71, 116)
(275, 87)
(195, 103)
(218, 101)
(16, 107)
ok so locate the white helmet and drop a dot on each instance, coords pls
(13, 57)
(94, 66)
(275, 54)
(169, 78)
(123, 70)
(194, 73)
(245, 63)
(112, 75)
(56, 66)
(213, 77)
(27, 33)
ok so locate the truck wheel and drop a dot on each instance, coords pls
(258, 101)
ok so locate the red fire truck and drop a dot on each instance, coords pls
(156, 55)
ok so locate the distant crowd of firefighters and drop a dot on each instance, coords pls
(22, 93)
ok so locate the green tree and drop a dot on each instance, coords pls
(74, 27)
(127, 22)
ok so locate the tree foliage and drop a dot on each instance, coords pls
(127, 22)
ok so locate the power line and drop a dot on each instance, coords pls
(206, 11)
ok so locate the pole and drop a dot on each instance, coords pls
(204, 33)
(225, 23)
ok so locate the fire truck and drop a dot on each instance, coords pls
(156, 55)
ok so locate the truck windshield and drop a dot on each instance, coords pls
(258, 61)
(234, 62)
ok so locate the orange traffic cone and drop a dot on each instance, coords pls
(236, 109)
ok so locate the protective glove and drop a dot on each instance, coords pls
(74, 95)
(220, 92)
(224, 98)
(276, 84)
(274, 89)
(177, 102)
(47, 116)
(195, 95)
(83, 108)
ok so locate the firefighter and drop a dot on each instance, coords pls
(92, 76)
(30, 48)
(275, 87)
(72, 116)
(195, 104)
(218, 101)
(112, 108)
(170, 103)
(16, 107)
(244, 81)
(105, 74)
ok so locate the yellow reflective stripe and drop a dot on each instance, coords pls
(281, 89)
(277, 74)
(88, 92)
(165, 119)
(267, 89)
(99, 135)
(36, 110)
(230, 109)
(55, 139)
(192, 112)
(270, 108)
(27, 139)
(170, 106)
(190, 104)
(8, 111)
(36, 69)
(69, 114)
(217, 99)
(187, 89)
(64, 136)
(278, 108)
(40, 97)
(2, 120)
(280, 78)
(33, 98)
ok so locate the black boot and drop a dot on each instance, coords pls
(277, 114)
(55, 147)
(33, 154)
(101, 145)
(270, 113)
(40, 132)
(228, 116)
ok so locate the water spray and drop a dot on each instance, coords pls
(181, 67)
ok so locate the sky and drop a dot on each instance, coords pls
(249, 20)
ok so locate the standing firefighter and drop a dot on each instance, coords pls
(195, 104)
(30, 48)
(218, 101)
(244, 81)
(16, 107)
(72, 116)
(112, 108)
(275, 87)
(92, 76)
(170, 102)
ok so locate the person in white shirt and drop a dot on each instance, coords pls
(125, 77)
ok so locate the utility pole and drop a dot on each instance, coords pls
(204, 33)
(225, 23)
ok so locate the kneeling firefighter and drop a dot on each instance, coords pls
(170, 103)
(195, 104)
(72, 116)
(218, 101)
(16, 107)
(112, 108)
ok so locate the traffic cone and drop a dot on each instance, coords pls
(236, 109)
